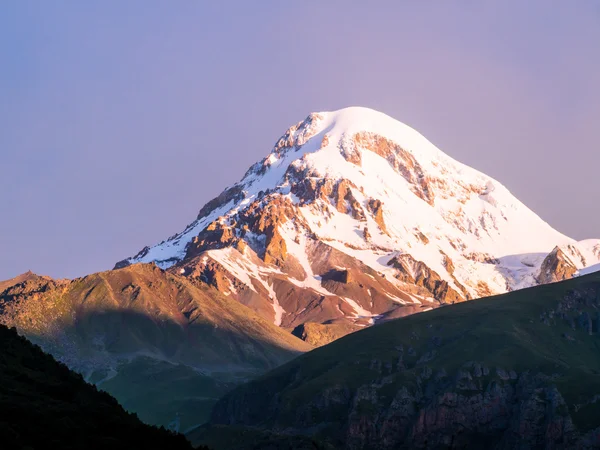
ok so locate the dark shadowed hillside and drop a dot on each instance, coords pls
(45, 405)
(249, 438)
(520, 370)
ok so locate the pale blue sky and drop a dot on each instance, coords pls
(120, 119)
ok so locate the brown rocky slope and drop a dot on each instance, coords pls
(162, 344)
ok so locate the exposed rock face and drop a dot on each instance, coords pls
(216, 235)
(376, 208)
(30, 287)
(443, 379)
(214, 274)
(342, 276)
(474, 408)
(27, 276)
(501, 414)
(318, 334)
(275, 250)
(326, 302)
(228, 195)
(416, 272)
(345, 202)
(556, 267)
(401, 160)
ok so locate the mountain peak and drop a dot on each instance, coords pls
(344, 133)
(26, 276)
(356, 195)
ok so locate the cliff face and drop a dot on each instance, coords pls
(514, 371)
(473, 408)
(318, 334)
(557, 266)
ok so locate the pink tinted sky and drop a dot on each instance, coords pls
(119, 120)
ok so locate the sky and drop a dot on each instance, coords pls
(119, 120)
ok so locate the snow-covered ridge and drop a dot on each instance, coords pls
(376, 191)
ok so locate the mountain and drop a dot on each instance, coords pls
(355, 218)
(519, 370)
(165, 346)
(45, 405)
(29, 275)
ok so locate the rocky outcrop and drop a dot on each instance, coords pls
(215, 275)
(345, 202)
(216, 235)
(297, 135)
(310, 189)
(318, 334)
(481, 258)
(231, 194)
(27, 276)
(26, 287)
(262, 218)
(401, 160)
(275, 249)
(375, 206)
(342, 276)
(265, 218)
(411, 271)
(556, 267)
(292, 140)
(338, 193)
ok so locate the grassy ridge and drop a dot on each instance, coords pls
(551, 330)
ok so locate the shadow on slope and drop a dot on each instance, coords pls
(159, 369)
(45, 405)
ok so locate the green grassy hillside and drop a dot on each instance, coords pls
(520, 367)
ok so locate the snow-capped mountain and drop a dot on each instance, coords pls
(355, 217)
